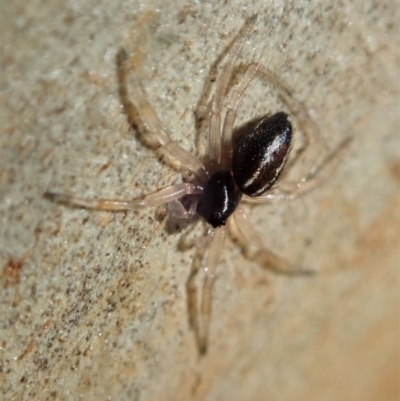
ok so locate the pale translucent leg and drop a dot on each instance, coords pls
(230, 61)
(192, 290)
(214, 142)
(200, 317)
(230, 117)
(254, 249)
(160, 197)
(142, 115)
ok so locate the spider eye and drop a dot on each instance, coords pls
(259, 157)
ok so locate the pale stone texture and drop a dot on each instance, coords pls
(93, 305)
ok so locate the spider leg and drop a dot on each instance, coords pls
(213, 257)
(253, 248)
(160, 197)
(215, 147)
(191, 289)
(141, 114)
(230, 116)
(199, 317)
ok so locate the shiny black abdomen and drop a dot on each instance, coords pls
(259, 157)
(220, 198)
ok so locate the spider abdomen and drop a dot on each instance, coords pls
(219, 200)
(259, 157)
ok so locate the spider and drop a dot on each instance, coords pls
(247, 171)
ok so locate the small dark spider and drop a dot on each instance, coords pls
(246, 171)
